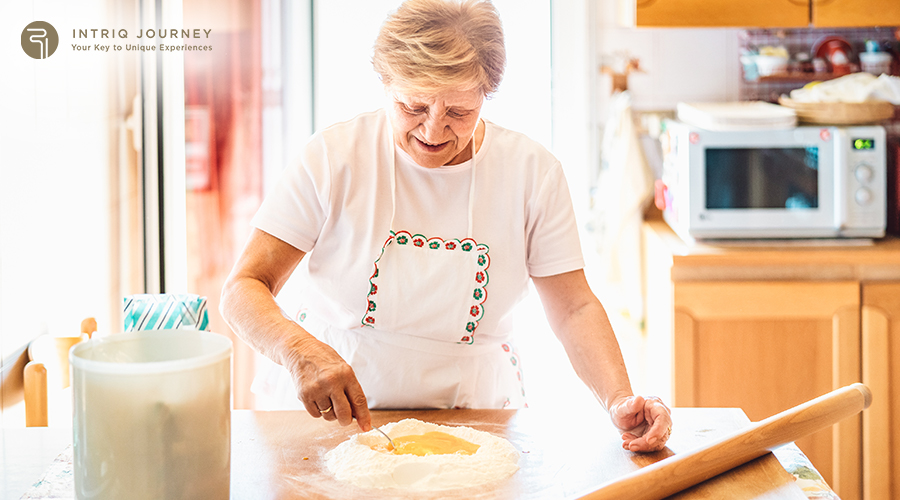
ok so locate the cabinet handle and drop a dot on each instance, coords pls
(876, 420)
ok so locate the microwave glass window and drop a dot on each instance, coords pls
(786, 178)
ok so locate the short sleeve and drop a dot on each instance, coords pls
(553, 244)
(296, 208)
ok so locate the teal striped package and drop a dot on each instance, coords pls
(166, 312)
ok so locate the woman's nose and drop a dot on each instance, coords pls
(434, 128)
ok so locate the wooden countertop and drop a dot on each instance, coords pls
(778, 261)
(280, 455)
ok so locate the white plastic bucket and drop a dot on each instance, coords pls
(152, 415)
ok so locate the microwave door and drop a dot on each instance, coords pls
(765, 185)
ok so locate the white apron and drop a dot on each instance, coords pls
(417, 346)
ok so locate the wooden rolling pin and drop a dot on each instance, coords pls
(679, 472)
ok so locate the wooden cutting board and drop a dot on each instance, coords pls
(280, 455)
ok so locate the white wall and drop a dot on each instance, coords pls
(55, 157)
(679, 64)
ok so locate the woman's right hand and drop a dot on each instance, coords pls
(324, 381)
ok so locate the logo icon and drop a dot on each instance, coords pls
(39, 40)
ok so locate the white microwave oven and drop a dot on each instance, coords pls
(799, 182)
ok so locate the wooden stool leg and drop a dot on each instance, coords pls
(35, 395)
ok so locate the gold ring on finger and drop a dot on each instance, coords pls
(326, 410)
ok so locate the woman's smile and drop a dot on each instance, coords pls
(436, 130)
(431, 148)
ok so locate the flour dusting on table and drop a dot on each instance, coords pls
(355, 461)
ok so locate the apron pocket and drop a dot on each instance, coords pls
(428, 288)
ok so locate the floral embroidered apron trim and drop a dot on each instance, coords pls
(479, 280)
(514, 360)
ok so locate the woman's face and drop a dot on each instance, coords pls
(435, 129)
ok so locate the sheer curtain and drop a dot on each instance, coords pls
(70, 214)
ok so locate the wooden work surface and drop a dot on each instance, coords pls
(819, 260)
(280, 455)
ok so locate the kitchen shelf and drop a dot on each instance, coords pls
(800, 76)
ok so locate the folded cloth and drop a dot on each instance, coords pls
(805, 475)
(855, 87)
(624, 188)
(58, 483)
(166, 312)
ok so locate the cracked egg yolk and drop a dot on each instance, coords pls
(430, 443)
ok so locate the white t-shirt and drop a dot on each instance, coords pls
(335, 204)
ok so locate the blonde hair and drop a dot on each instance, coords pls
(427, 46)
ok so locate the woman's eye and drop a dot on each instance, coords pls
(413, 111)
(457, 114)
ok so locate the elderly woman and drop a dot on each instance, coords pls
(421, 224)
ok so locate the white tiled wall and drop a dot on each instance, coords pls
(678, 64)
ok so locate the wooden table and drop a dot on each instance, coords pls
(279, 455)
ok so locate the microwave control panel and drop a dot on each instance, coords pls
(861, 189)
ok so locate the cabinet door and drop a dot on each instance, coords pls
(855, 13)
(747, 13)
(767, 346)
(881, 372)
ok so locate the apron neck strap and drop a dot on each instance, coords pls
(393, 149)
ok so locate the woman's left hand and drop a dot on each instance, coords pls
(645, 423)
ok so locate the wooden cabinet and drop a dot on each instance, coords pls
(881, 372)
(765, 329)
(767, 346)
(855, 13)
(717, 13)
(763, 13)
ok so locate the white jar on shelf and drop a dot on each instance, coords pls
(875, 62)
(769, 65)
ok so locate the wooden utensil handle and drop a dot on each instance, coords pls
(679, 472)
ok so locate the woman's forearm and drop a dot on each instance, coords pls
(248, 297)
(250, 310)
(580, 322)
(593, 350)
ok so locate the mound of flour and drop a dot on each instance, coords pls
(354, 460)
